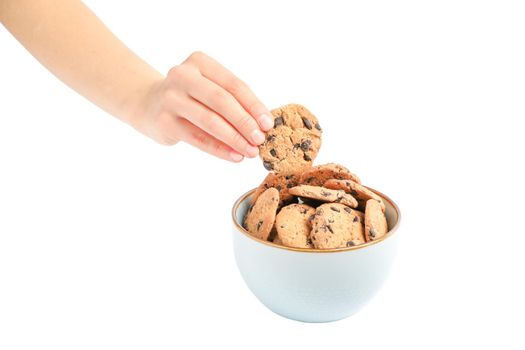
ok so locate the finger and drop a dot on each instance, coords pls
(213, 124)
(223, 103)
(214, 71)
(194, 136)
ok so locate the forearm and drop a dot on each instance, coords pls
(199, 101)
(68, 39)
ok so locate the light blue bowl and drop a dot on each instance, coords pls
(312, 285)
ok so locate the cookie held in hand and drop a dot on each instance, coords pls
(294, 141)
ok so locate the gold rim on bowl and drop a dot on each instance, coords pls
(310, 250)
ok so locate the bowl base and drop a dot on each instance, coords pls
(310, 320)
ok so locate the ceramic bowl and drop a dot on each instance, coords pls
(313, 285)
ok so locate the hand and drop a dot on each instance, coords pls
(202, 103)
(199, 102)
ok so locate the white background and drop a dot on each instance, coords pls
(110, 241)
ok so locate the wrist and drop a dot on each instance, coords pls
(142, 105)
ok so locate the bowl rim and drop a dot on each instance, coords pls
(389, 234)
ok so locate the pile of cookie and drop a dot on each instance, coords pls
(304, 206)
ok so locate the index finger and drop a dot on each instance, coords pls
(220, 75)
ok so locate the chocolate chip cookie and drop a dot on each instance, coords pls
(294, 141)
(280, 181)
(324, 194)
(358, 229)
(375, 221)
(318, 175)
(358, 191)
(333, 227)
(261, 216)
(293, 225)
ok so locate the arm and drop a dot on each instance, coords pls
(199, 102)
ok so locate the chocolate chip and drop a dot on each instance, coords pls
(278, 121)
(348, 210)
(273, 153)
(310, 179)
(305, 145)
(372, 232)
(288, 177)
(356, 218)
(307, 157)
(268, 165)
(259, 224)
(289, 185)
(270, 138)
(307, 123)
(279, 187)
(318, 127)
(309, 241)
(325, 194)
(335, 209)
(311, 217)
(297, 146)
(266, 186)
(350, 244)
(329, 228)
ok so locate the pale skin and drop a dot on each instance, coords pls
(199, 101)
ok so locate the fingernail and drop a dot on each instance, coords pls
(252, 151)
(257, 137)
(236, 157)
(266, 122)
